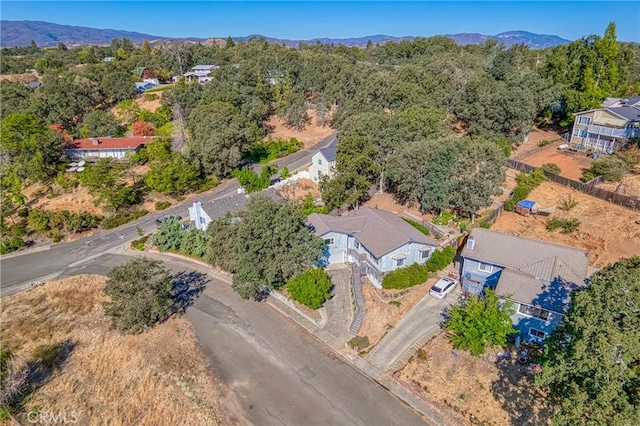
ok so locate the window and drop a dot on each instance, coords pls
(584, 120)
(576, 132)
(583, 133)
(356, 244)
(531, 311)
(424, 254)
(329, 241)
(538, 334)
(399, 262)
(202, 220)
(320, 161)
(485, 267)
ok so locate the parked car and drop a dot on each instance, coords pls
(169, 216)
(443, 287)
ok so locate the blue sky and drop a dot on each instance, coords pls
(305, 19)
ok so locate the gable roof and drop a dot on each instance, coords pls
(108, 143)
(330, 152)
(204, 67)
(379, 231)
(536, 272)
(218, 208)
(627, 111)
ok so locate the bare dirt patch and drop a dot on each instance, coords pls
(75, 201)
(158, 377)
(309, 136)
(386, 201)
(21, 78)
(630, 184)
(572, 164)
(382, 315)
(298, 190)
(149, 105)
(477, 388)
(609, 232)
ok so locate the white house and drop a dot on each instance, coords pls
(536, 275)
(323, 162)
(91, 149)
(377, 240)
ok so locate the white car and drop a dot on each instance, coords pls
(443, 287)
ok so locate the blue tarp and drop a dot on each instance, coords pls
(527, 204)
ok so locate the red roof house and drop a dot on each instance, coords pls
(91, 149)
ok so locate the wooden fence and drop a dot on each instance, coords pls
(589, 188)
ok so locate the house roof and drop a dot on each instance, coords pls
(627, 111)
(205, 67)
(536, 272)
(330, 152)
(218, 208)
(379, 231)
(108, 143)
(610, 101)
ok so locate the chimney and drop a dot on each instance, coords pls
(471, 242)
(95, 141)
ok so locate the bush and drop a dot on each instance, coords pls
(567, 225)
(395, 303)
(612, 168)
(440, 259)
(359, 343)
(161, 205)
(526, 182)
(631, 157)
(311, 288)
(551, 168)
(420, 227)
(139, 243)
(7, 245)
(406, 277)
(587, 176)
(264, 152)
(121, 218)
(140, 295)
(209, 183)
(169, 235)
(48, 355)
(544, 143)
(150, 96)
(251, 181)
(443, 219)
(568, 203)
(195, 243)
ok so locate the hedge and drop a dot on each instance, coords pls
(416, 273)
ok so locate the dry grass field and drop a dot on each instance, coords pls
(100, 376)
(310, 135)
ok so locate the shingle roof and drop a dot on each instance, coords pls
(631, 113)
(108, 143)
(330, 152)
(379, 231)
(218, 208)
(536, 272)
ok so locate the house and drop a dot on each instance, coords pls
(536, 275)
(91, 149)
(200, 73)
(607, 129)
(108, 59)
(202, 214)
(323, 162)
(376, 240)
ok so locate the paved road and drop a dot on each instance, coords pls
(19, 269)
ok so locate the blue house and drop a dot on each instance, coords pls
(376, 240)
(537, 276)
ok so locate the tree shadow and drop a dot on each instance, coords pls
(187, 287)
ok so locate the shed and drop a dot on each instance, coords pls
(525, 207)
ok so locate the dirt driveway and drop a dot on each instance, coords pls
(572, 165)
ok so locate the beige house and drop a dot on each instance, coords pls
(607, 129)
(323, 162)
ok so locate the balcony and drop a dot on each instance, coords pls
(613, 131)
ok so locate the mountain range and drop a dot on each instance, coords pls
(46, 34)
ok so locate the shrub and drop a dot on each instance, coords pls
(284, 173)
(264, 152)
(311, 288)
(440, 259)
(544, 143)
(209, 183)
(484, 224)
(587, 176)
(121, 218)
(567, 225)
(443, 219)
(420, 227)
(395, 303)
(612, 168)
(150, 96)
(65, 181)
(140, 295)
(551, 168)
(7, 245)
(251, 181)
(526, 182)
(161, 205)
(359, 343)
(195, 243)
(169, 235)
(568, 203)
(631, 157)
(48, 355)
(139, 243)
(406, 277)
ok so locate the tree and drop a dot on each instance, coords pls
(106, 181)
(591, 364)
(128, 111)
(267, 246)
(480, 322)
(195, 243)
(220, 135)
(100, 123)
(311, 288)
(170, 172)
(142, 128)
(169, 235)
(140, 295)
(118, 86)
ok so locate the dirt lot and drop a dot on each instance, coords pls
(298, 190)
(21, 78)
(102, 377)
(477, 388)
(607, 231)
(381, 315)
(149, 105)
(630, 184)
(311, 135)
(571, 164)
(385, 201)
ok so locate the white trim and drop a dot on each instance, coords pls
(588, 119)
(535, 335)
(330, 241)
(481, 264)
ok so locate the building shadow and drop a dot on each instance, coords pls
(187, 287)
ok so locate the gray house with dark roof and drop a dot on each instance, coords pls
(377, 240)
(537, 276)
(607, 129)
(323, 162)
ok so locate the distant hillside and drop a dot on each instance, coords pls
(45, 34)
